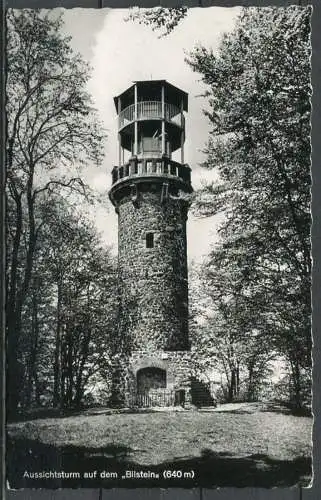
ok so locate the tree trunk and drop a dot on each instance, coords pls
(79, 393)
(79, 386)
(32, 365)
(237, 379)
(296, 377)
(14, 376)
(17, 299)
(32, 240)
(69, 371)
(250, 387)
(62, 395)
(232, 386)
(57, 355)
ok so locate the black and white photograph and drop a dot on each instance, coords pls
(158, 247)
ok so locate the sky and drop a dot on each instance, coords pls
(121, 52)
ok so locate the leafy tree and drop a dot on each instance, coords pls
(227, 337)
(51, 126)
(70, 338)
(259, 93)
(83, 274)
(164, 19)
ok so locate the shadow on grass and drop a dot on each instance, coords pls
(56, 413)
(271, 407)
(210, 469)
(44, 413)
(287, 409)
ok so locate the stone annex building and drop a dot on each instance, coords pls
(151, 195)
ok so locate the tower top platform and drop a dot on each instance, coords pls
(150, 90)
(151, 127)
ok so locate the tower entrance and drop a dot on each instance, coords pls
(150, 378)
(151, 383)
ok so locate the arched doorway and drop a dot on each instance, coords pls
(150, 378)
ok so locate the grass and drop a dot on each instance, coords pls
(253, 447)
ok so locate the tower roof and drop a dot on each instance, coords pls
(171, 90)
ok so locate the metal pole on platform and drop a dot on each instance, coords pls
(119, 135)
(135, 122)
(182, 131)
(163, 119)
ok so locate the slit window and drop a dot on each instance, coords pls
(149, 240)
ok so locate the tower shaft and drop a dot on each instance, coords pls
(153, 270)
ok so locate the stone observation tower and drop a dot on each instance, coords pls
(151, 193)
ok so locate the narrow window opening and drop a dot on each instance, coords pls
(149, 240)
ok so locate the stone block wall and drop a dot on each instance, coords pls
(153, 282)
(153, 293)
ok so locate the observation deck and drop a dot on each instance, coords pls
(151, 127)
(151, 110)
(140, 167)
(147, 170)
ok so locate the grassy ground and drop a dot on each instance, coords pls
(237, 446)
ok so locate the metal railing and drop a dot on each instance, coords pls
(147, 110)
(126, 116)
(154, 398)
